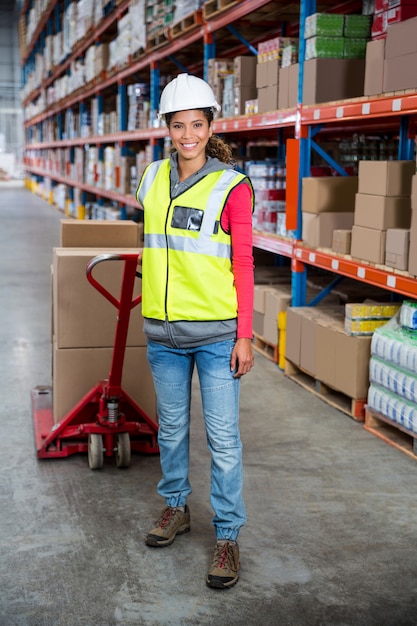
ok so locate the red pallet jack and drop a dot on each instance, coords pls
(106, 421)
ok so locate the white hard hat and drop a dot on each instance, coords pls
(187, 92)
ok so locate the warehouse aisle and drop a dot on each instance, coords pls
(331, 538)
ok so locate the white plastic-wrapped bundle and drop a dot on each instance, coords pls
(408, 315)
(396, 345)
(392, 406)
(393, 379)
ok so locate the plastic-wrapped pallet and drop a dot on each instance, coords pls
(393, 370)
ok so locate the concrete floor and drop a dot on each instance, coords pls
(331, 538)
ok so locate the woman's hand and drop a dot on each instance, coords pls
(242, 357)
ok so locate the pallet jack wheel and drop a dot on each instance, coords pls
(95, 451)
(123, 450)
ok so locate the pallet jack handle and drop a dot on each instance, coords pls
(124, 305)
(131, 264)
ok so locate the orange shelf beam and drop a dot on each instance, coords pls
(360, 109)
(380, 276)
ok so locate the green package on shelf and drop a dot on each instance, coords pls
(355, 48)
(358, 26)
(324, 48)
(324, 24)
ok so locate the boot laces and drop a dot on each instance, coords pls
(223, 553)
(166, 517)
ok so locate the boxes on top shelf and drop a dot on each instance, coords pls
(324, 24)
(374, 67)
(273, 48)
(244, 71)
(401, 38)
(357, 26)
(324, 48)
(347, 80)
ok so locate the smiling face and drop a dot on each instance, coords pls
(189, 132)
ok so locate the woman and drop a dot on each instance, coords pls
(197, 288)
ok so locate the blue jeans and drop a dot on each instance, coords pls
(172, 370)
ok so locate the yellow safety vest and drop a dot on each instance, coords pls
(187, 269)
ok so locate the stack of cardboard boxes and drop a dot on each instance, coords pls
(217, 70)
(382, 203)
(244, 82)
(269, 301)
(318, 344)
(327, 205)
(391, 62)
(268, 75)
(335, 46)
(84, 321)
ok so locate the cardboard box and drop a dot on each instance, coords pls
(318, 228)
(260, 293)
(77, 370)
(397, 248)
(382, 212)
(386, 178)
(293, 85)
(277, 300)
(342, 241)
(293, 339)
(412, 257)
(272, 97)
(301, 343)
(272, 72)
(368, 244)
(329, 194)
(283, 89)
(342, 359)
(244, 71)
(258, 323)
(400, 73)
(99, 234)
(401, 39)
(261, 74)
(83, 317)
(262, 100)
(347, 79)
(240, 95)
(101, 58)
(374, 67)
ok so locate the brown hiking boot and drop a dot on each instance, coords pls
(171, 522)
(224, 570)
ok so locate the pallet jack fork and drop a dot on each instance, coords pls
(106, 421)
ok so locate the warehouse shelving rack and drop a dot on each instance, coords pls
(244, 22)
